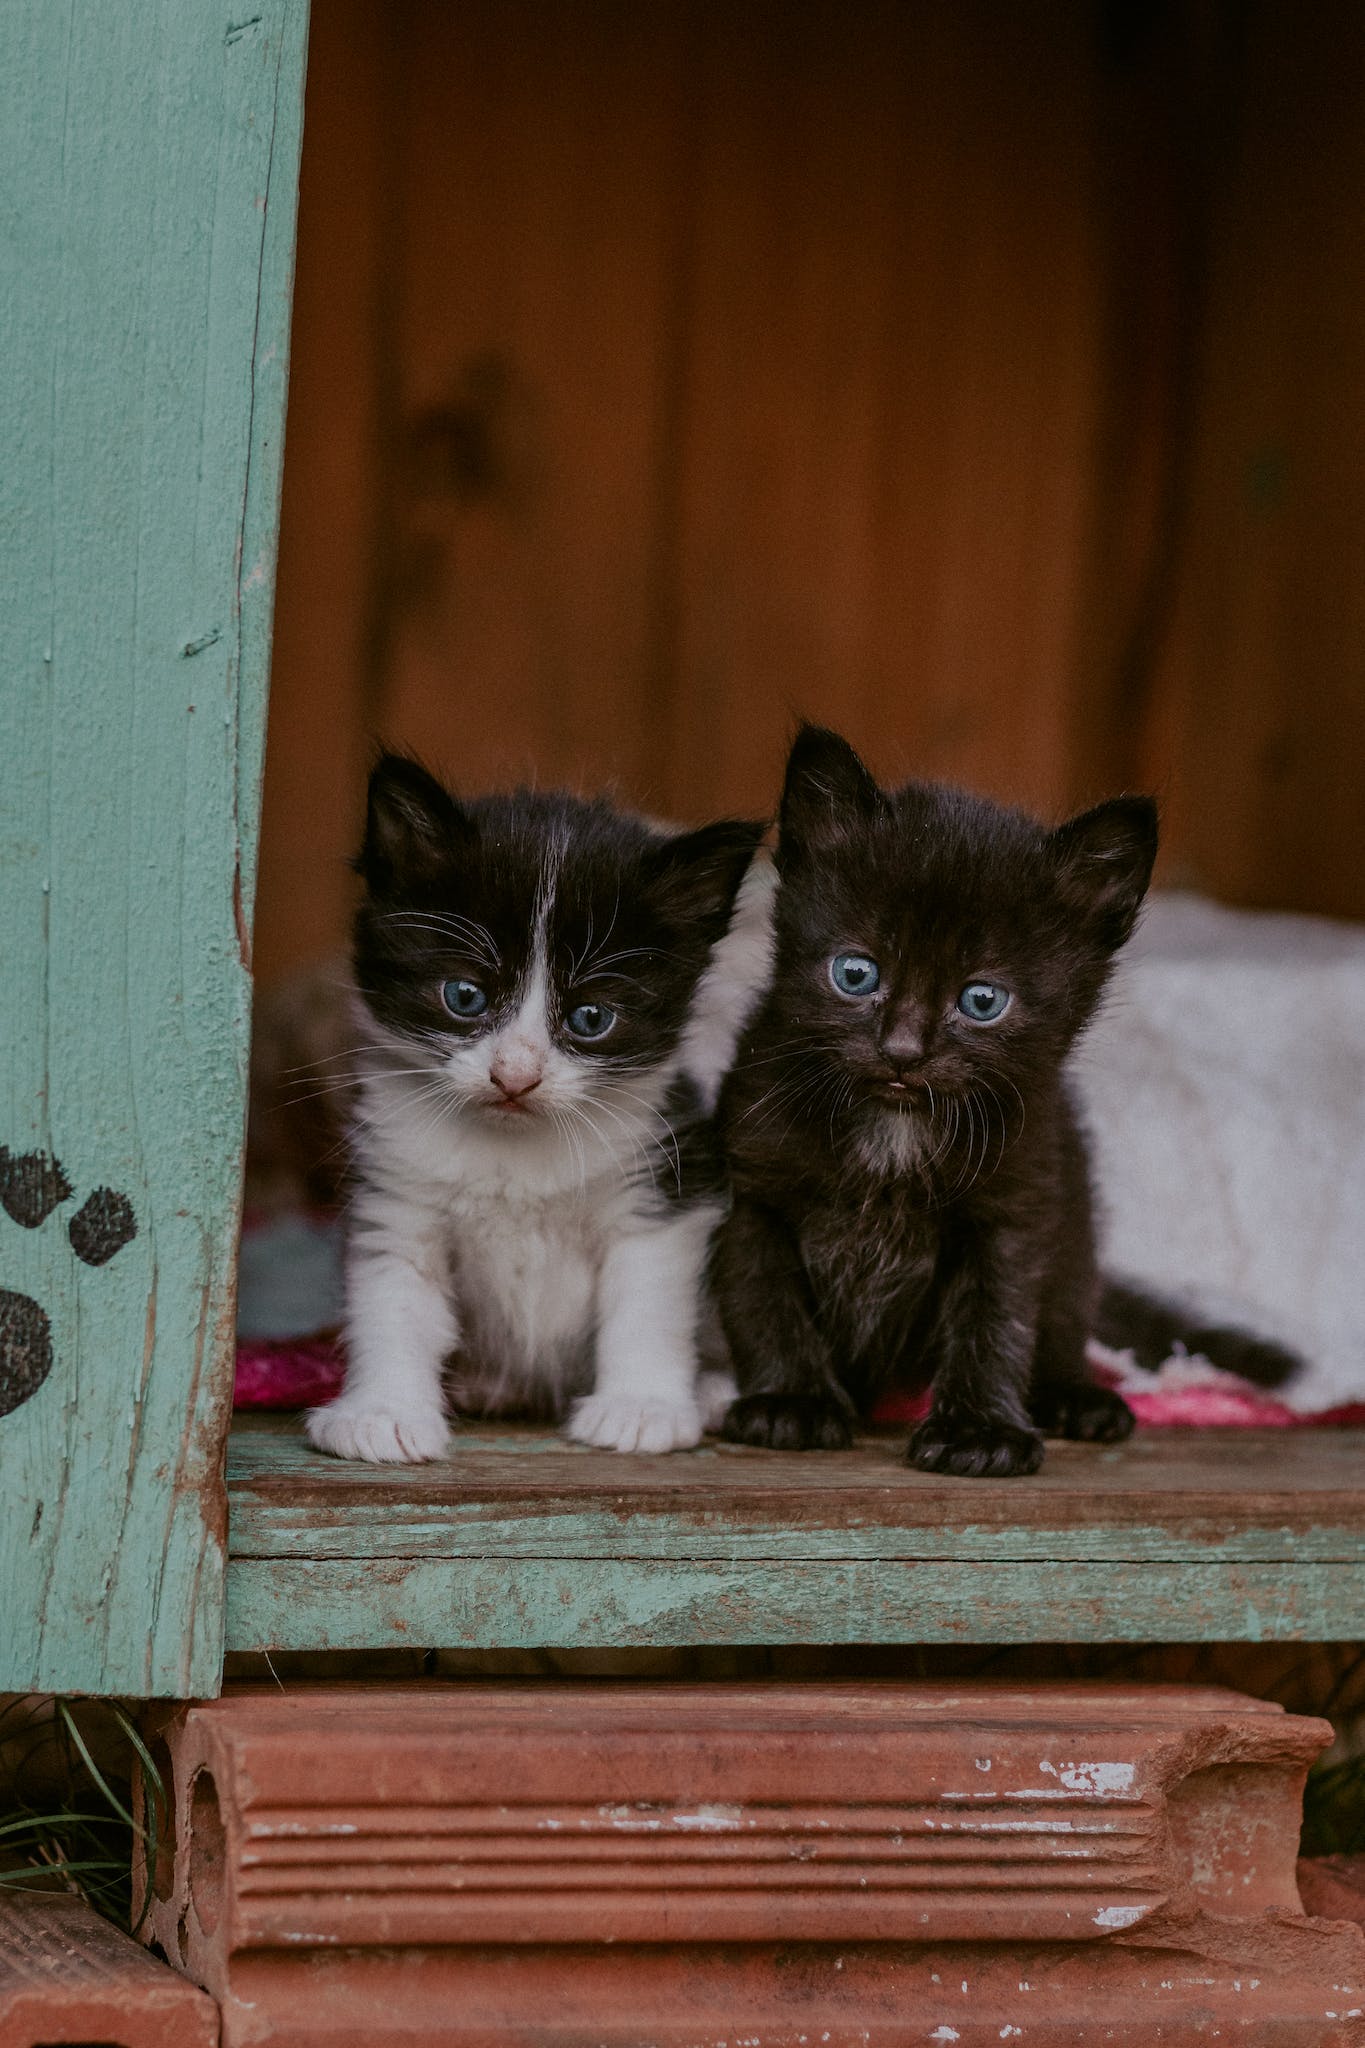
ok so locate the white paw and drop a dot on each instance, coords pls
(617, 1423)
(715, 1392)
(379, 1432)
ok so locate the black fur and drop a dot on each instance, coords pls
(1131, 1319)
(941, 1232)
(454, 887)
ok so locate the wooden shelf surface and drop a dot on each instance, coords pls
(520, 1540)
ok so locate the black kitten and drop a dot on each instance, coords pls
(910, 1191)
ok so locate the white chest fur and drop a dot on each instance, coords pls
(526, 1276)
(516, 1271)
(517, 1221)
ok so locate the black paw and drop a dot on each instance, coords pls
(32, 1185)
(1088, 1415)
(976, 1449)
(788, 1422)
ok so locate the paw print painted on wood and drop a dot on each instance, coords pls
(25, 1348)
(32, 1186)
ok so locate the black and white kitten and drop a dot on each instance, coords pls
(536, 1183)
(910, 1194)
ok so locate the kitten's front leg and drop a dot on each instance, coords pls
(400, 1329)
(645, 1397)
(1065, 1399)
(979, 1426)
(790, 1398)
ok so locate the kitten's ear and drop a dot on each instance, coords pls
(827, 789)
(1105, 860)
(410, 824)
(698, 873)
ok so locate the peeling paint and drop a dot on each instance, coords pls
(1099, 1779)
(705, 1819)
(1118, 1916)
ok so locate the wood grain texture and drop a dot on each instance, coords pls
(1258, 706)
(981, 380)
(552, 1603)
(149, 160)
(883, 479)
(332, 509)
(523, 1541)
(687, 367)
(535, 313)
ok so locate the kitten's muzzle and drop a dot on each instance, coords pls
(904, 1052)
(907, 1086)
(513, 1084)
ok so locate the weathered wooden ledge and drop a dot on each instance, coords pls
(520, 1540)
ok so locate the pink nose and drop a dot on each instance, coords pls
(514, 1082)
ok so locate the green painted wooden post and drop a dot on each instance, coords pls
(148, 182)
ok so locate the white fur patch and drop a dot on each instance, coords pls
(893, 1142)
(734, 983)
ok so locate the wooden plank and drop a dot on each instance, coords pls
(884, 473)
(317, 750)
(521, 1540)
(787, 420)
(556, 1603)
(525, 1493)
(667, 370)
(541, 193)
(1257, 723)
(149, 159)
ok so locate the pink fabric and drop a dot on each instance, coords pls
(303, 1372)
(297, 1372)
(1190, 1408)
(1217, 1401)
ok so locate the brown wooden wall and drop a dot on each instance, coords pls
(984, 379)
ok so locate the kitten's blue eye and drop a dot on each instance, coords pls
(853, 974)
(591, 1020)
(983, 1001)
(464, 999)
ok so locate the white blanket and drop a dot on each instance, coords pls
(1224, 1086)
